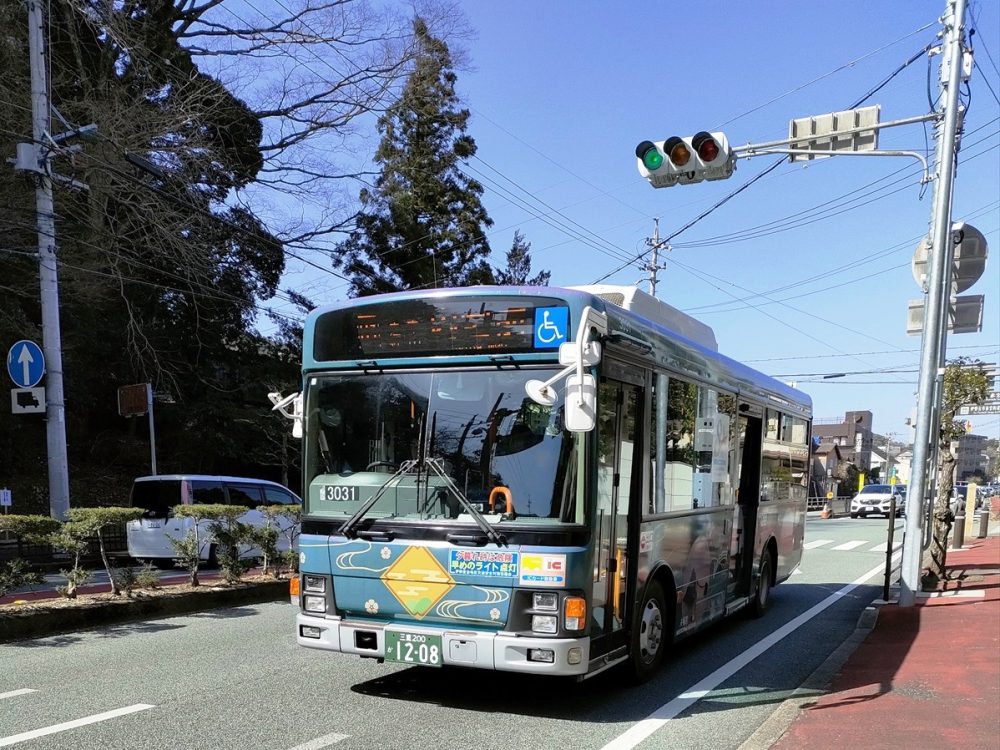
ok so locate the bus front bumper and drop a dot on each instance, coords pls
(463, 648)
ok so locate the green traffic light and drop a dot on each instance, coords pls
(652, 159)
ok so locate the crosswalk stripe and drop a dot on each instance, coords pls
(882, 547)
(816, 543)
(850, 545)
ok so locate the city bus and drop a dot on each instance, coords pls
(534, 479)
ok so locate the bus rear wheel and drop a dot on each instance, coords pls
(651, 633)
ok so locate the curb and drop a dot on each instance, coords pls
(15, 626)
(788, 711)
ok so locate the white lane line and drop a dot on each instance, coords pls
(44, 731)
(14, 693)
(850, 545)
(320, 742)
(644, 728)
(816, 543)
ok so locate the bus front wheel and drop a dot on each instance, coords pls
(762, 596)
(651, 633)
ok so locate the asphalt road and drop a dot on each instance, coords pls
(234, 679)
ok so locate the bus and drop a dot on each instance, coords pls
(534, 479)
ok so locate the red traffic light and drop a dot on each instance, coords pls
(706, 146)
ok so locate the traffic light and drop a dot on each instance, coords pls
(677, 160)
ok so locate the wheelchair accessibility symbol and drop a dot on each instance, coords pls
(551, 325)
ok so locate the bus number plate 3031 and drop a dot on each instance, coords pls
(413, 648)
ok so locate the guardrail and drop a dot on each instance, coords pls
(840, 505)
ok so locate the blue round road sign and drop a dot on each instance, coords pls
(25, 364)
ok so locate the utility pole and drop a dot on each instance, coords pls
(654, 265)
(937, 301)
(41, 149)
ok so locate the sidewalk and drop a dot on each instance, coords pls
(925, 677)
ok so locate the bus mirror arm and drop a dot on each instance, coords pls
(584, 351)
(282, 404)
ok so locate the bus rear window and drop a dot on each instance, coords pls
(156, 497)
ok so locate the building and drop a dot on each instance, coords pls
(970, 457)
(853, 435)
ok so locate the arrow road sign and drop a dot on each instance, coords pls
(25, 364)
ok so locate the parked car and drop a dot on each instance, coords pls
(149, 537)
(877, 498)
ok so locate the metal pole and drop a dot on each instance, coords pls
(152, 430)
(888, 550)
(940, 259)
(654, 265)
(55, 410)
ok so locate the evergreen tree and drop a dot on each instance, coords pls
(519, 265)
(422, 224)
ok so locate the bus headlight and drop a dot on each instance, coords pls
(545, 600)
(314, 603)
(314, 584)
(574, 612)
(545, 623)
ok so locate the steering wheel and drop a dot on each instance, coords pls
(375, 464)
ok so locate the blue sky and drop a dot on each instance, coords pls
(807, 271)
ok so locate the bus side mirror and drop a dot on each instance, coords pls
(581, 403)
(289, 407)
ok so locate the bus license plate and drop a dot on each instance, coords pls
(413, 648)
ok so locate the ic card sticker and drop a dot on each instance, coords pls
(543, 570)
(486, 563)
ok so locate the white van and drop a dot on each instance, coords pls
(157, 495)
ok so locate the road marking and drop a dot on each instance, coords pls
(44, 731)
(14, 693)
(882, 547)
(320, 742)
(644, 728)
(816, 543)
(850, 545)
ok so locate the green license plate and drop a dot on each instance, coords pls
(413, 648)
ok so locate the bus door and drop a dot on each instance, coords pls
(619, 482)
(750, 427)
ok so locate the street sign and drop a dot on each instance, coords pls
(987, 408)
(965, 315)
(833, 132)
(25, 364)
(971, 250)
(133, 400)
(5, 498)
(27, 400)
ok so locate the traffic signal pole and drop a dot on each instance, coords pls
(55, 411)
(938, 292)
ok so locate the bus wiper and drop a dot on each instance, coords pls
(434, 464)
(348, 528)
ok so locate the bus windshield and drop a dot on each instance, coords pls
(478, 426)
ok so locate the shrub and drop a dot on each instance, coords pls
(74, 539)
(94, 521)
(147, 577)
(126, 580)
(15, 574)
(280, 522)
(224, 529)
